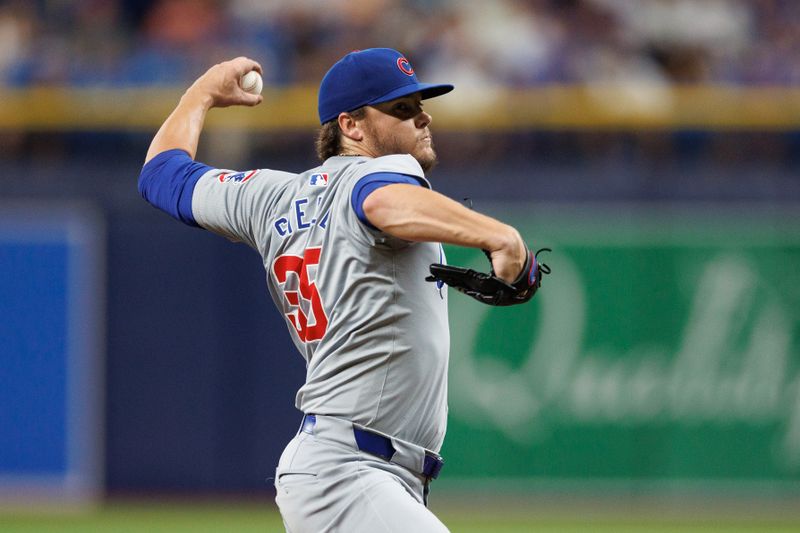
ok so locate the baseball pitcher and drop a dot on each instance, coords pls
(353, 257)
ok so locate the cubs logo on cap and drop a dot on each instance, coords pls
(405, 66)
(368, 77)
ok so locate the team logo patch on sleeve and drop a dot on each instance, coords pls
(318, 180)
(236, 177)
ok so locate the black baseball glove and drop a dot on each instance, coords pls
(488, 288)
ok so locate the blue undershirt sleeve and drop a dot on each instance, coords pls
(167, 181)
(370, 183)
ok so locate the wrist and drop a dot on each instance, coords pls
(196, 98)
(507, 241)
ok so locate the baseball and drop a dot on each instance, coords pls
(252, 82)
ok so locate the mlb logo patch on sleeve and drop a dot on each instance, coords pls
(318, 180)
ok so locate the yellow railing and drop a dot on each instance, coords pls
(550, 107)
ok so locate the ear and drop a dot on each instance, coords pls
(350, 127)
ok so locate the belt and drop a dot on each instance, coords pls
(381, 446)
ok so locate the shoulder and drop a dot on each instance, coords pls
(398, 163)
(347, 171)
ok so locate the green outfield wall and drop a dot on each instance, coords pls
(663, 349)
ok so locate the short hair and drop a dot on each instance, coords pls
(329, 136)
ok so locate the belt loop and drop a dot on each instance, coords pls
(432, 466)
(307, 425)
(374, 443)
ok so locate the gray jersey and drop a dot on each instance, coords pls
(373, 332)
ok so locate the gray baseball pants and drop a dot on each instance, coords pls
(324, 483)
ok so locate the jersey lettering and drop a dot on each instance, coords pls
(283, 226)
(297, 277)
(302, 215)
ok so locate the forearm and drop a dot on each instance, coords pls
(418, 214)
(182, 128)
(218, 87)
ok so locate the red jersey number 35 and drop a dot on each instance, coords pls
(302, 302)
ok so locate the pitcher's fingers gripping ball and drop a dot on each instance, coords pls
(252, 82)
(487, 288)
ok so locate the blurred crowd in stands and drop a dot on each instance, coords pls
(480, 43)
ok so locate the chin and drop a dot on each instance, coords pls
(426, 159)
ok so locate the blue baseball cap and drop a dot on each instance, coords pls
(367, 77)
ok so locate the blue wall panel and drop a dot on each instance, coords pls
(33, 329)
(51, 329)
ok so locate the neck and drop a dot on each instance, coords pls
(351, 148)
